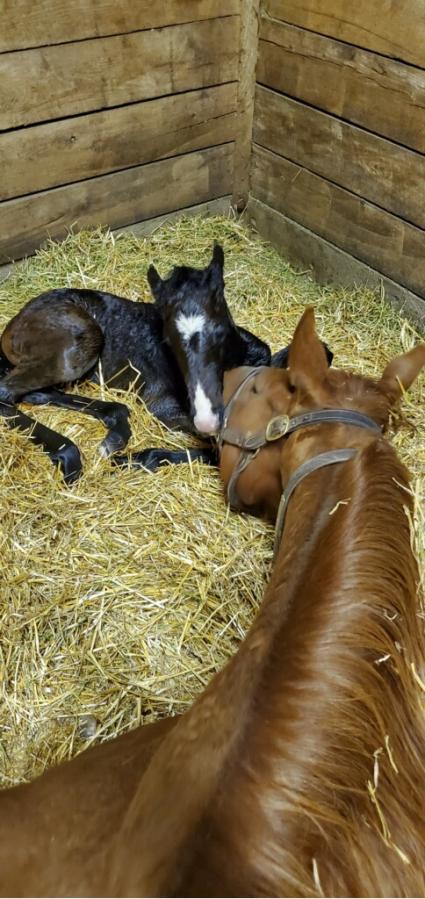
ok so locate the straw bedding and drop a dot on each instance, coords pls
(122, 595)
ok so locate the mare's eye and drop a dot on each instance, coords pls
(254, 389)
(291, 388)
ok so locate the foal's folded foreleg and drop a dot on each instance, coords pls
(151, 459)
(113, 415)
(61, 451)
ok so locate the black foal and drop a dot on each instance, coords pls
(173, 351)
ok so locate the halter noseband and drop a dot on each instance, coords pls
(278, 427)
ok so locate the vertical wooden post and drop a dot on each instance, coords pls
(248, 49)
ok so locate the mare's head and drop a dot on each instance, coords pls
(307, 385)
(199, 329)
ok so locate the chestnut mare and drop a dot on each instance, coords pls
(300, 770)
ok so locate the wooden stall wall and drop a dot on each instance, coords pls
(338, 157)
(112, 112)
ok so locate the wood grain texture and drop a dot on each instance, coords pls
(247, 64)
(329, 263)
(33, 23)
(384, 96)
(74, 149)
(378, 238)
(384, 173)
(395, 29)
(56, 82)
(117, 199)
(222, 206)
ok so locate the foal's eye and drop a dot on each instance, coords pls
(254, 389)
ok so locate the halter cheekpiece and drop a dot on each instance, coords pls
(278, 427)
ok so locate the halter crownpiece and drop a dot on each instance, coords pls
(282, 426)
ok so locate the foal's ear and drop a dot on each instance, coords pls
(214, 271)
(155, 282)
(217, 257)
(401, 372)
(308, 362)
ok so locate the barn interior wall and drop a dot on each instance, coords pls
(337, 176)
(314, 113)
(113, 113)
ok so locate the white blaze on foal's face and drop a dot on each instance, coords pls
(205, 420)
(188, 325)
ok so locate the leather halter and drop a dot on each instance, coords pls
(277, 428)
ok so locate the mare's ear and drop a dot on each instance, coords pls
(401, 372)
(281, 358)
(308, 363)
(155, 283)
(214, 271)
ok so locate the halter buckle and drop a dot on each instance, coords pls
(277, 428)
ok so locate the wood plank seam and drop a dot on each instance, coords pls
(329, 263)
(127, 168)
(40, 86)
(83, 40)
(396, 57)
(370, 234)
(28, 23)
(303, 168)
(361, 197)
(351, 143)
(116, 199)
(339, 118)
(145, 132)
(80, 115)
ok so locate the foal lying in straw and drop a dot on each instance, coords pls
(300, 770)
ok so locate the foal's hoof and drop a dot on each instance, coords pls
(112, 443)
(68, 458)
(119, 430)
(87, 726)
(6, 396)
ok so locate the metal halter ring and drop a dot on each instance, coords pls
(277, 428)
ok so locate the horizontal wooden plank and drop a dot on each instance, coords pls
(56, 82)
(221, 206)
(116, 200)
(395, 29)
(28, 24)
(378, 238)
(384, 173)
(384, 96)
(74, 149)
(329, 263)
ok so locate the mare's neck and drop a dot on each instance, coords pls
(289, 643)
(336, 687)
